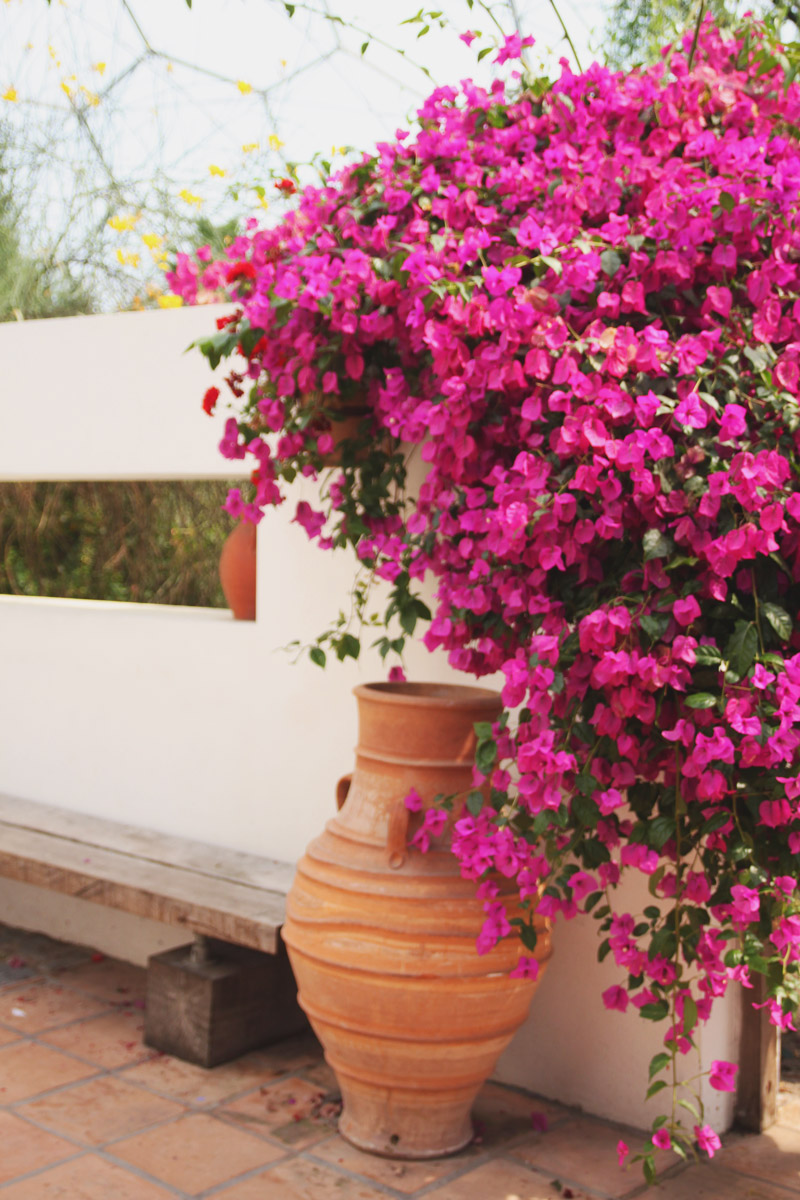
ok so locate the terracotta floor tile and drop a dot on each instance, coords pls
(8, 1035)
(114, 1040)
(196, 1085)
(27, 1069)
(773, 1156)
(501, 1114)
(24, 1148)
(712, 1182)
(34, 1007)
(498, 1179)
(582, 1153)
(196, 1153)
(403, 1176)
(86, 1178)
(292, 1111)
(299, 1179)
(108, 979)
(100, 1111)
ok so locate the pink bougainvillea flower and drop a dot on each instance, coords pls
(707, 1139)
(686, 610)
(661, 1139)
(616, 997)
(413, 801)
(526, 968)
(722, 1076)
(622, 1152)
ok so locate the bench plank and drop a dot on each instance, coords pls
(177, 895)
(236, 866)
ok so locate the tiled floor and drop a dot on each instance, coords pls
(87, 1112)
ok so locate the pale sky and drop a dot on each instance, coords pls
(187, 108)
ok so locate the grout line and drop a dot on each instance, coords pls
(382, 1189)
(59, 1162)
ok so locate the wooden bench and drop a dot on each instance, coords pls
(207, 1002)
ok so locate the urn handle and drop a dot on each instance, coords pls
(342, 788)
(397, 835)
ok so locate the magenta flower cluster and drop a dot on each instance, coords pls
(583, 303)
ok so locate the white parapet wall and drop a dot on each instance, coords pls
(186, 721)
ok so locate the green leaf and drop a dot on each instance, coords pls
(727, 201)
(687, 1104)
(553, 263)
(656, 545)
(528, 937)
(658, 1086)
(716, 822)
(482, 53)
(707, 654)
(658, 1062)
(610, 262)
(485, 757)
(475, 802)
(660, 831)
(349, 647)
(780, 620)
(742, 647)
(483, 730)
(649, 1169)
(689, 1015)
(654, 624)
(656, 1011)
(701, 700)
(364, 46)
(317, 655)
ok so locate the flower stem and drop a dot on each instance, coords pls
(570, 42)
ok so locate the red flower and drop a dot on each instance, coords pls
(223, 321)
(287, 186)
(240, 270)
(210, 399)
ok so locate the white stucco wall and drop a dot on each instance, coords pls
(186, 721)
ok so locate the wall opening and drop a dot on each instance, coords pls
(155, 542)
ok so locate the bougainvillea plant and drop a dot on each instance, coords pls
(581, 305)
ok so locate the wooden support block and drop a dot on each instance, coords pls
(212, 1001)
(759, 1063)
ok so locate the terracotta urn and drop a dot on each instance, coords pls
(382, 937)
(237, 571)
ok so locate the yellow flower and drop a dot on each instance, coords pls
(249, 147)
(170, 301)
(283, 63)
(263, 202)
(137, 304)
(152, 240)
(91, 97)
(126, 259)
(10, 94)
(244, 88)
(122, 223)
(189, 197)
(65, 87)
(214, 170)
(275, 142)
(100, 67)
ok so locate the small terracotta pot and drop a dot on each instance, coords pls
(237, 571)
(382, 938)
(345, 424)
